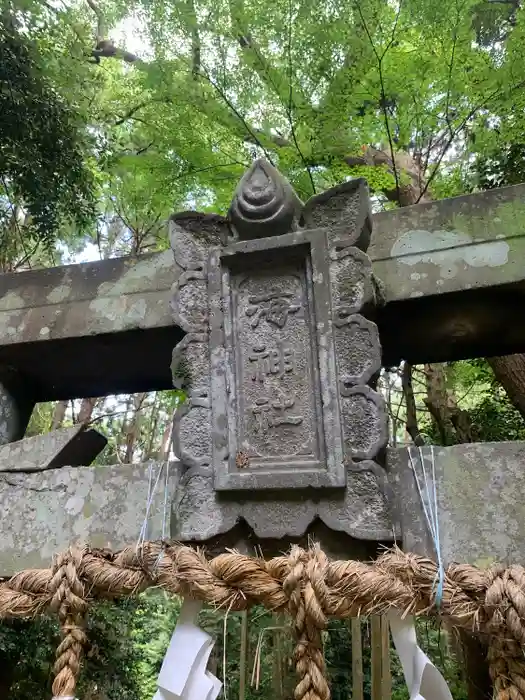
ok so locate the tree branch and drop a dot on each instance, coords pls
(133, 110)
(450, 69)
(290, 99)
(382, 85)
(101, 26)
(456, 131)
(239, 116)
(195, 40)
(276, 139)
(257, 61)
(139, 151)
(105, 48)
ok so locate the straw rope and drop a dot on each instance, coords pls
(69, 604)
(305, 584)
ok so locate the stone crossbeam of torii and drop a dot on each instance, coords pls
(281, 317)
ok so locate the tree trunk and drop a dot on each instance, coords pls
(412, 427)
(165, 445)
(133, 429)
(452, 422)
(152, 429)
(59, 414)
(510, 373)
(86, 410)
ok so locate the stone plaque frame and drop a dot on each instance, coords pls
(326, 468)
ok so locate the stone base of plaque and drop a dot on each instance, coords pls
(362, 511)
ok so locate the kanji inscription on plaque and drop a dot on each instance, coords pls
(276, 361)
(273, 413)
(274, 306)
(274, 365)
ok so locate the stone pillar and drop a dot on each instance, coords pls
(16, 405)
(478, 492)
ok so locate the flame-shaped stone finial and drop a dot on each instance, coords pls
(264, 203)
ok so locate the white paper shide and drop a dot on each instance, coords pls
(184, 674)
(423, 679)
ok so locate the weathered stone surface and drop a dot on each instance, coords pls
(190, 304)
(263, 204)
(190, 240)
(352, 283)
(194, 231)
(87, 299)
(192, 434)
(480, 504)
(11, 427)
(269, 315)
(471, 242)
(358, 349)
(343, 210)
(73, 446)
(190, 364)
(8, 427)
(78, 330)
(43, 513)
(476, 240)
(362, 511)
(273, 331)
(275, 418)
(364, 416)
(453, 274)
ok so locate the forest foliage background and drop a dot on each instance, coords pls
(115, 114)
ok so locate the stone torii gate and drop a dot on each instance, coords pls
(277, 315)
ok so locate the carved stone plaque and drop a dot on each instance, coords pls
(279, 361)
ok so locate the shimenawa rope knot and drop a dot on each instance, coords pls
(68, 602)
(307, 594)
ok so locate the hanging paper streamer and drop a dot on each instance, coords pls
(424, 681)
(184, 675)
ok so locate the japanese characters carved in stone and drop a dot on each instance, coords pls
(280, 359)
